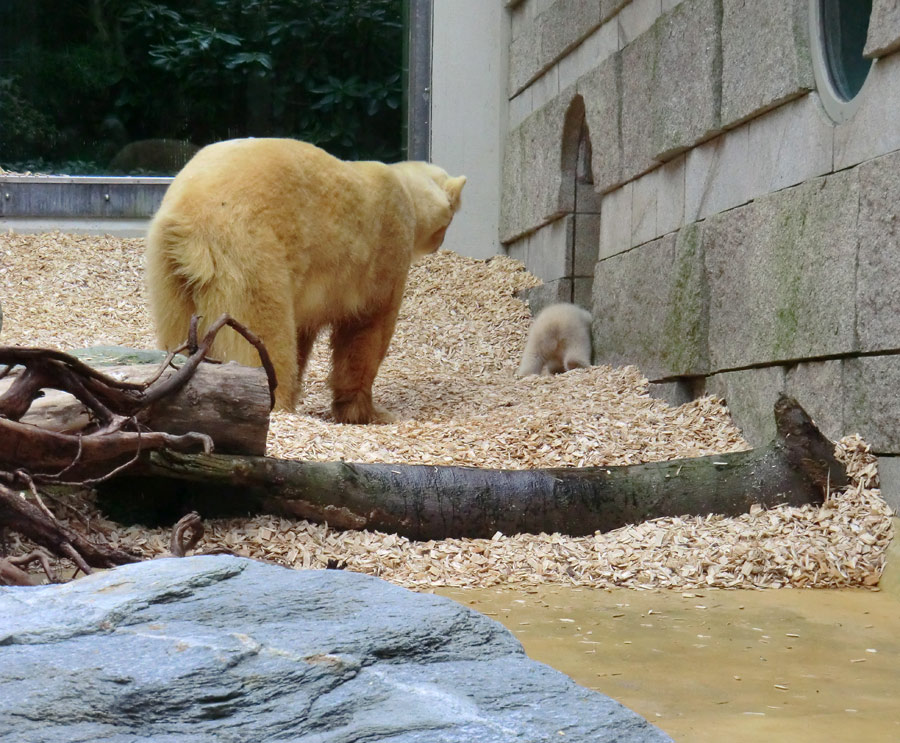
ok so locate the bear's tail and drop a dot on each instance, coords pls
(168, 284)
(190, 273)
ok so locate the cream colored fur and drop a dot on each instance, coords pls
(559, 340)
(288, 239)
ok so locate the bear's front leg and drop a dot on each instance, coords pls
(357, 349)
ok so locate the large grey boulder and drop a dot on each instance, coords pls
(226, 649)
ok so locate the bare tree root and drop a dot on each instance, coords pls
(41, 527)
(117, 438)
(179, 543)
(11, 573)
(31, 456)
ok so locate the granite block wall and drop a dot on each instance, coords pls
(884, 29)
(765, 56)
(746, 243)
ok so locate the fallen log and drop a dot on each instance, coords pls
(116, 434)
(227, 402)
(432, 502)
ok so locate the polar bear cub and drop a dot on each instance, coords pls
(289, 240)
(559, 340)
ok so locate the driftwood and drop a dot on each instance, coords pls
(116, 406)
(432, 502)
(11, 573)
(115, 438)
(228, 403)
(417, 501)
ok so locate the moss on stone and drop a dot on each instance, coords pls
(788, 296)
(686, 329)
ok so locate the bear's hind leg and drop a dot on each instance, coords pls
(281, 343)
(305, 339)
(268, 312)
(357, 349)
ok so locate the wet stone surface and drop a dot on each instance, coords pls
(227, 649)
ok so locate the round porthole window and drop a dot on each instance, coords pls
(838, 30)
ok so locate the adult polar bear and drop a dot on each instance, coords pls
(287, 240)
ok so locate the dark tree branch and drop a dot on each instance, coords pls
(49, 369)
(24, 517)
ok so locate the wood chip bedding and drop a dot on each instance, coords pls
(449, 376)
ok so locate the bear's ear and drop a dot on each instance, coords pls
(453, 188)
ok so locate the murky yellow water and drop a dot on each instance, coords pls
(710, 666)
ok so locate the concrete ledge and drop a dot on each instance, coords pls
(616, 222)
(750, 395)
(875, 128)
(843, 396)
(586, 241)
(547, 252)
(114, 227)
(552, 33)
(609, 8)
(781, 148)
(889, 477)
(878, 272)
(583, 291)
(674, 393)
(546, 294)
(533, 192)
(871, 403)
(637, 123)
(820, 388)
(597, 47)
(521, 16)
(601, 91)
(524, 62)
(687, 85)
(80, 197)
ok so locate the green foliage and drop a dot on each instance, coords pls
(24, 127)
(86, 77)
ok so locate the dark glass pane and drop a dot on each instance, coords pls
(845, 24)
(103, 86)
